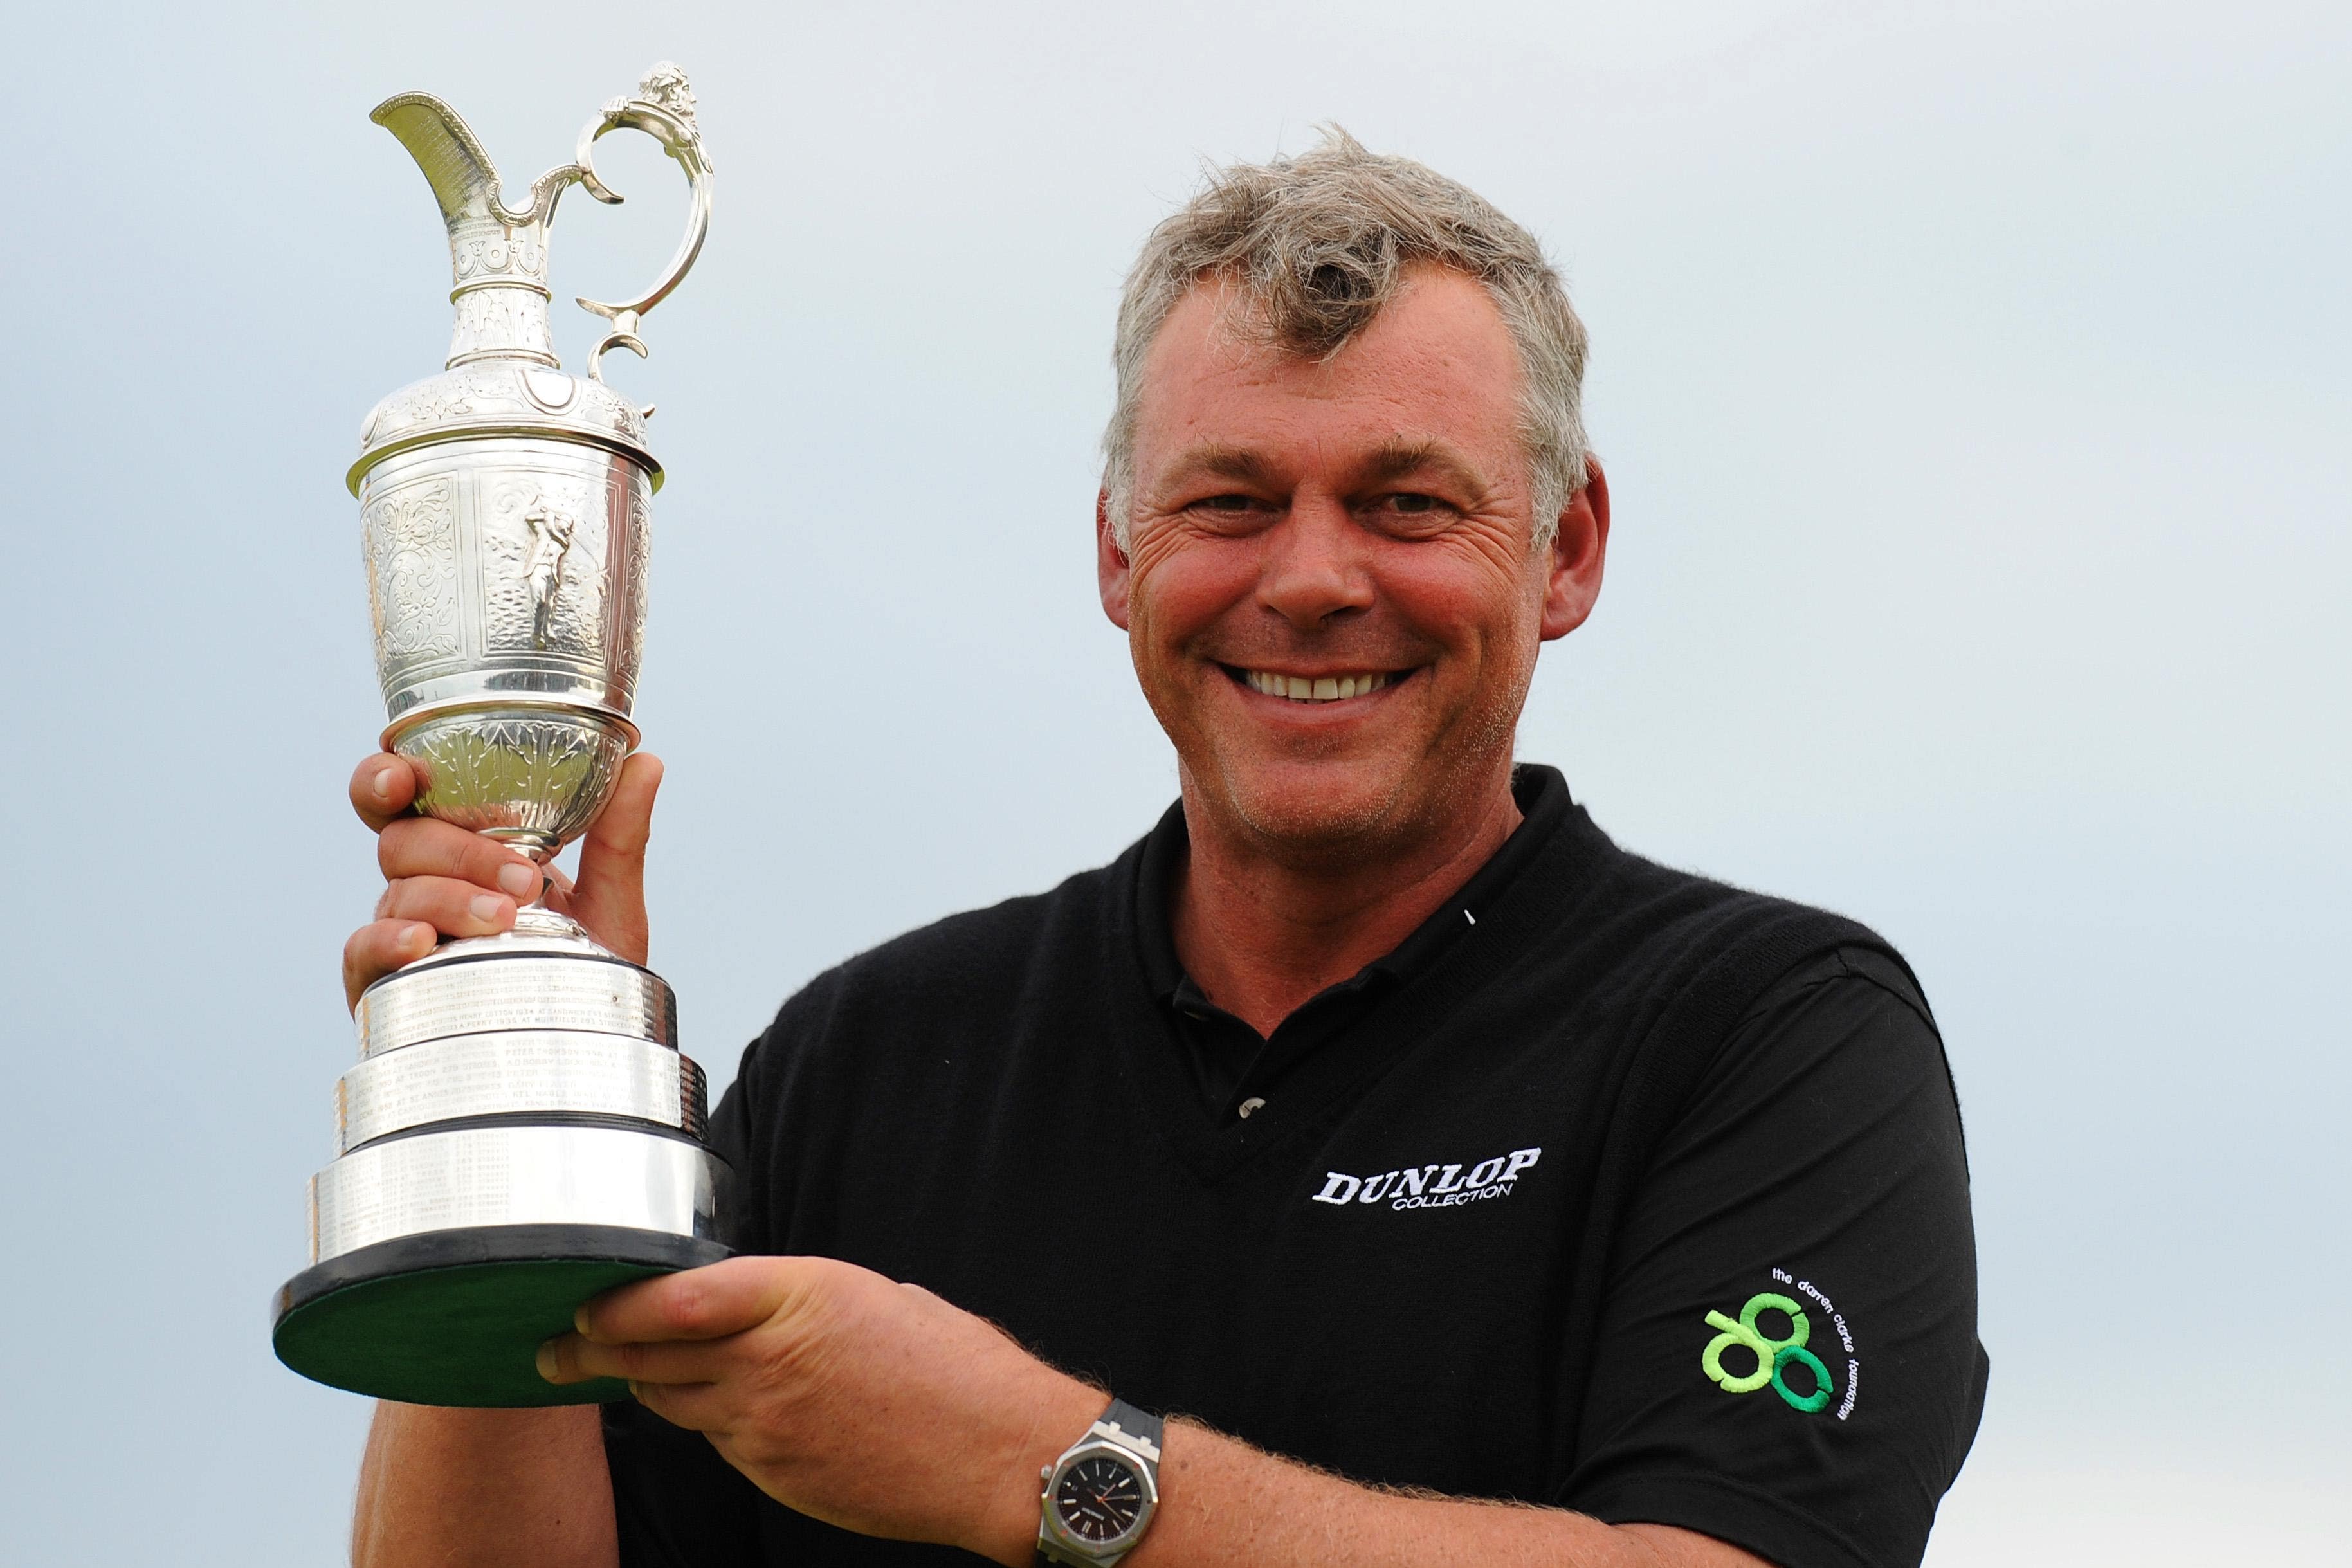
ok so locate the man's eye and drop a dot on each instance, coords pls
(1412, 503)
(1225, 503)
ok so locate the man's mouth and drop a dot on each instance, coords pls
(1313, 688)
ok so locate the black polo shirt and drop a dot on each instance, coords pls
(1611, 1188)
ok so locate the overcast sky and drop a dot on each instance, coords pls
(1970, 379)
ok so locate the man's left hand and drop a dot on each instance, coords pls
(845, 1395)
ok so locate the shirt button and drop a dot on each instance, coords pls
(1248, 1107)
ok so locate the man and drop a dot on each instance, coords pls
(1460, 1187)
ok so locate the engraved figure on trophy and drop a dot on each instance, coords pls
(521, 1131)
(551, 529)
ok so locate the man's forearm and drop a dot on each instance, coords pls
(880, 1407)
(517, 1488)
(1224, 1502)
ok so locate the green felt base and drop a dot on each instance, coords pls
(457, 1317)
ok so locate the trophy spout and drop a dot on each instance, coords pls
(463, 180)
(498, 255)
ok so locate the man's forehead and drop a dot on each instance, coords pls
(1432, 382)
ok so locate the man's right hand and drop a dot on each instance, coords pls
(444, 881)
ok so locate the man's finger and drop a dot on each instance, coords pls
(568, 1358)
(377, 949)
(382, 786)
(452, 907)
(696, 1406)
(421, 847)
(612, 853)
(706, 1303)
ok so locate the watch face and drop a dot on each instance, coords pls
(1098, 1497)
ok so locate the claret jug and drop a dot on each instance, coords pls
(520, 1130)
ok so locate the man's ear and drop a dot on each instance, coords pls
(1112, 572)
(1578, 551)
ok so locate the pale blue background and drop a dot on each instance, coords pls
(1972, 384)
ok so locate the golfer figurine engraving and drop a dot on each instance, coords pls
(521, 1131)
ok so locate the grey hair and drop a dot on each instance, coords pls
(1315, 247)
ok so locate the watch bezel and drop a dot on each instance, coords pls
(1110, 1547)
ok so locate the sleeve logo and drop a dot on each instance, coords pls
(1774, 1358)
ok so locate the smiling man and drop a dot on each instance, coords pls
(1375, 1165)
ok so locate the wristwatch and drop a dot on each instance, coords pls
(1100, 1494)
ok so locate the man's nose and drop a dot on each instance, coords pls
(1311, 565)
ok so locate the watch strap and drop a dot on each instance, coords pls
(1138, 1429)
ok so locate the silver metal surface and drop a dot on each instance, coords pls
(501, 555)
(514, 1174)
(506, 501)
(505, 506)
(522, 990)
(513, 1073)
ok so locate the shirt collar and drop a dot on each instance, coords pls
(1544, 807)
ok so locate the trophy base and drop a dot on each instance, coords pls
(457, 1317)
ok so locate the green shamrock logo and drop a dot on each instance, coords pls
(1772, 1355)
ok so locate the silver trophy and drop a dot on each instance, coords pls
(521, 1131)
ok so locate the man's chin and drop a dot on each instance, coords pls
(1316, 810)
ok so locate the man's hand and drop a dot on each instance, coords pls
(442, 880)
(872, 1405)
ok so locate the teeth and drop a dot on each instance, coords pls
(1325, 688)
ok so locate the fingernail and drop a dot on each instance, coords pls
(417, 939)
(488, 906)
(518, 878)
(382, 782)
(580, 1322)
(545, 1360)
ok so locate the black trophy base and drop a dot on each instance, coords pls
(457, 1317)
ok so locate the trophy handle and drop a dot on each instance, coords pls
(663, 109)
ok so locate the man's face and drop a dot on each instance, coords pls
(1331, 591)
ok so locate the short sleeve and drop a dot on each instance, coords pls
(1788, 1357)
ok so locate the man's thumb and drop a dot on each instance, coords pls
(616, 842)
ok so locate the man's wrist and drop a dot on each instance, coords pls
(1005, 1524)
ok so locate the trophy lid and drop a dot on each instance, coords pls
(502, 376)
(504, 397)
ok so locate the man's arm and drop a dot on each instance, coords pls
(878, 1407)
(504, 1488)
(1812, 1195)
(1227, 1503)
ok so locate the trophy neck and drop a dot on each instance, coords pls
(536, 933)
(501, 296)
(501, 321)
(498, 254)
